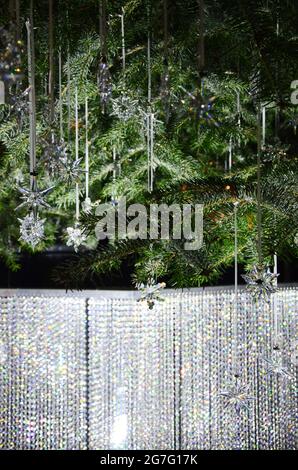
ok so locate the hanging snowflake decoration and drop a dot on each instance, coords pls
(34, 198)
(274, 365)
(32, 229)
(201, 106)
(261, 283)
(19, 105)
(150, 292)
(10, 55)
(124, 107)
(87, 205)
(71, 171)
(104, 81)
(76, 236)
(237, 397)
(54, 156)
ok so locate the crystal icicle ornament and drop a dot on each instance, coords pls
(104, 81)
(32, 229)
(76, 237)
(54, 155)
(237, 396)
(150, 292)
(261, 282)
(274, 365)
(34, 198)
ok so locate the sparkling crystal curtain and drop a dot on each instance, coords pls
(42, 373)
(103, 371)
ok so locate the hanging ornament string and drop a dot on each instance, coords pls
(86, 149)
(263, 112)
(259, 209)
(230, 153)
(104, 79)
(77, 151)
(150, 118)
(32, 105)
(60, 98)
(68, 99)
(51, 62)
(235, 319)
(123, 40)
(201, 48)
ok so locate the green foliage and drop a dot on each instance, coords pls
(244, 56)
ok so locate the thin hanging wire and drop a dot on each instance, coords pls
(86, 149)
(60, 98)
(123, 40)
(77, 151)
(201, 45)
(150, 118)
(32, 103)
(235, 319)
(259, 208)
(51, 61)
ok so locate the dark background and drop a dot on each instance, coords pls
(38, 271)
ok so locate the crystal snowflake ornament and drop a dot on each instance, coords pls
(124, 107)
(31, 229)
(150, 292)
(104, 81)
(54, 156)
(34, 198)
(71, 171)
(19, 105)
(76, 237)
(201, 105)
(261, 283)
(237, 396)
(274, 365)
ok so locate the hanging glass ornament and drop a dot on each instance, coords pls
(76, 236)
(10, 55)
(124, 107)
(150, 292)
(296, 239)
(19, 105)
(54, 157)
(261, 283)
(237, 396)
(34, 198)
(71, 171)
(201, 106)
(104, 81)
(31, 229)
(87, 205)
(274, 365)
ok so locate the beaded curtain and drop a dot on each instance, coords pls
(105, 372)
